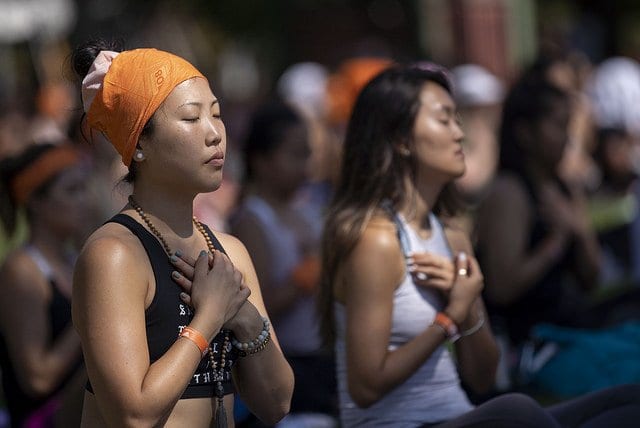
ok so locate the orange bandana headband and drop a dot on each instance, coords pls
(42, 170)
(123, 90)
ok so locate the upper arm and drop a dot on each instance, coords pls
(369, 277)
(24, 299)
(111, 281)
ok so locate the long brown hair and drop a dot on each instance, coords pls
(373, 169)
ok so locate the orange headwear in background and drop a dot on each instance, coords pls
(42, 170)
(345, 85)
(123, 90)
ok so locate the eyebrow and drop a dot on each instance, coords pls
(446, 109)
(197, 103)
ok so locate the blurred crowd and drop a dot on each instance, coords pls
(551, 196)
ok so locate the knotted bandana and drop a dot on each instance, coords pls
(123, 90)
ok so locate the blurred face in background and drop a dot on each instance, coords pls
(67, 204)
(286, 167)
(546, 138)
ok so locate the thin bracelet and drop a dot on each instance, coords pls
(476, 327)
(196, 337)
(256, 345)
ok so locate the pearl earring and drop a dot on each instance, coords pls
(139, 156)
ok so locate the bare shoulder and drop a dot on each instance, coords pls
(235, 248)
(19, 265)
(111, 256)
(21, 278)
(380, 235)
(378, 247)
(113, 240)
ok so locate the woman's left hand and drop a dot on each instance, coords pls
(432, 271)
(247, 315)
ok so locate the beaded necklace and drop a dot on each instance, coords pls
(217, 367)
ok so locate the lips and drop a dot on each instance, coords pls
(216, 160)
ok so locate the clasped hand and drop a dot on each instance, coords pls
(460, 280)
(211, 281)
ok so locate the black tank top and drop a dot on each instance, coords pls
(168, 314)
(20, 404)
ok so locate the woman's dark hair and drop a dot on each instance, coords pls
(373, 169)
(10, 167)
(81, 60)
(266, 129)
(529, 100)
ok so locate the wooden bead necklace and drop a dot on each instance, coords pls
(217, 367)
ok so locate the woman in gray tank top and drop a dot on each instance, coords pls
(401, 293)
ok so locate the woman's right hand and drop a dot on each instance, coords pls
(211, 284)
(466, 288)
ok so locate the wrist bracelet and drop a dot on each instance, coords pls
(196, 337)
(478, 325)
(450, 328)
(256, 345)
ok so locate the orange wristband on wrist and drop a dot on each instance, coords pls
(450, 328)
(196, 337)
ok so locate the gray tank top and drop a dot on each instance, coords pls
(298, 328)
(431, 394)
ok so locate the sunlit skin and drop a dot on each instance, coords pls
(183, 156)
(438, 137)
(368, 278)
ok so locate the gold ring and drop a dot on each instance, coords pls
(462, 272)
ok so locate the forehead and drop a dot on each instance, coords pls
(194, 90)
(434, 98)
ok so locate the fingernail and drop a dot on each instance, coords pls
(412, 268)
(174, 258)
(462, 256)
(176, 274)
(183, 295)
(410, 260)
(203, 253)
(178, 253)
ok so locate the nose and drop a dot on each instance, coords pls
(214, 131)
(458, 133)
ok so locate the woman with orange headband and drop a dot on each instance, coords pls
(170, 313)
(40, 354)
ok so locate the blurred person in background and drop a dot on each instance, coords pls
(614, 207)
(305, 87)
(538, 250)
(169, 312)
(571, 71)
(282, 233)
(40, 351)
(401, 290)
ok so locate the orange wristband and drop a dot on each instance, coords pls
(196, 337)
(450, 328)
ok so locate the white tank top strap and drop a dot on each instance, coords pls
(40, 261)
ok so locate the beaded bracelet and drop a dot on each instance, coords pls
(256, 345)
